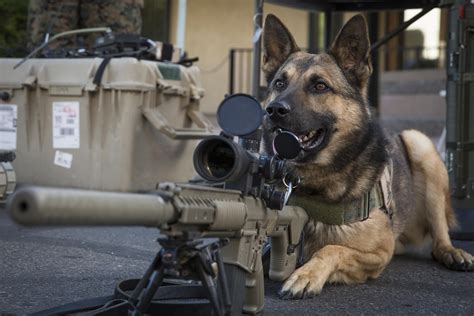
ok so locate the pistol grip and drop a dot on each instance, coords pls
(282, 264)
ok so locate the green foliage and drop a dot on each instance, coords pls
(13, 26)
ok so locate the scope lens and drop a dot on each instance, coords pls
(219, 160)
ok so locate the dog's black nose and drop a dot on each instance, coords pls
(278, 109)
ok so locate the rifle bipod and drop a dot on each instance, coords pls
(197, 260)
(187, 277)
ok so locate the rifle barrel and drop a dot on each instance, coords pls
(49, 206)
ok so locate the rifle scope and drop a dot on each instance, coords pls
(220, 159)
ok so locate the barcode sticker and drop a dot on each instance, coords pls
(66, 131)
(63, 159)
(8, 120)
(66, 127)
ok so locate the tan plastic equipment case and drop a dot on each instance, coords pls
(137, 127)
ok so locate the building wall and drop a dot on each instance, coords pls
(213, 27)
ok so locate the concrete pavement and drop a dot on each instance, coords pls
(42, 268)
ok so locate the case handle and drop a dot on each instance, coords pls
(204, 126)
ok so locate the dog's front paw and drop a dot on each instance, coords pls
(455, 259)
(303, 283)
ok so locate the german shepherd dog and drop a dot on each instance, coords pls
(322, 98)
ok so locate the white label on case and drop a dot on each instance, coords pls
(66, 125)
(8, 119)
(63, 159)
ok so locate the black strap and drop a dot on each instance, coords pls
(171, 299)
(77, 307)
(167, 52)
(100, 71)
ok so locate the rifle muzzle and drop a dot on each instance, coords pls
(50, 206)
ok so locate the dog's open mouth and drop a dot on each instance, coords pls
(312, 139)
(310, 142)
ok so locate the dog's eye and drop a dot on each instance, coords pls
(279, 85)
(320, 87)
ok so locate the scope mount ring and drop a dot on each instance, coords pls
(286, 183)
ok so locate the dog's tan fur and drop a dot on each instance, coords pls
(421, 207)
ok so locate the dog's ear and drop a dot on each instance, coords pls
(278, 45)
(351, 49)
